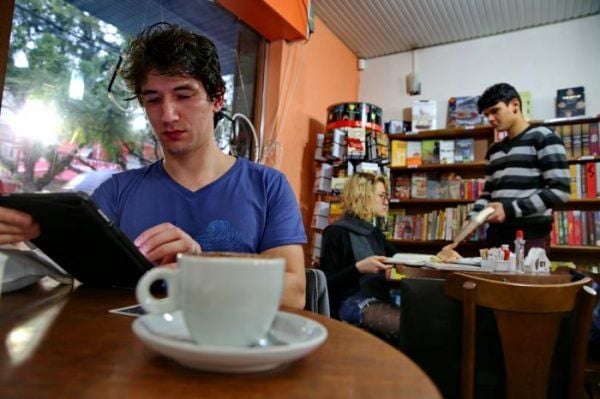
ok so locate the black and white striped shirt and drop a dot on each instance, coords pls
(528, 174)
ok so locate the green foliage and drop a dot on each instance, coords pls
(57, 39)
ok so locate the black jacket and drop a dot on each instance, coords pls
(339, 264)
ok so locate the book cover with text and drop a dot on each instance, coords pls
(464, 150)
(398, 153)
(570, 102)
(414, 154)
(423, 115)
(462, 111)
(431, 151)
(446, 151)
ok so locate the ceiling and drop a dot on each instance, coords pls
(373, 28)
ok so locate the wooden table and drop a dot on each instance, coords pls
(557, 277)
(58, 343)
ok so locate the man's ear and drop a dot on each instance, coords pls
(515, 105)
(218, 104)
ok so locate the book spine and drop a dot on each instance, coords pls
(590, 177)
(573, 178)
(597, 227)
(585, 138)
(554, 231)
(597, 179)
(570, 228)
(594, 139)
(578, 184)
(567, 139)
(576, 227)
(577, 142)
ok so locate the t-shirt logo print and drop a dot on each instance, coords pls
(220, 235)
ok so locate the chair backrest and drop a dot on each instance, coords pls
(317, 297)
(529, 318)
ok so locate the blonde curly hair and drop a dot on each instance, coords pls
(358, 194)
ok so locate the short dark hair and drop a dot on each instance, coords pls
(496, 93)
(172, 50)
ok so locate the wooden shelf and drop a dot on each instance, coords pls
(584, 159)
(584, 204)
(474, 245)
(452, 133)
(566, 121)
(579, 249)
(581, 201)
(442, 166)
(425, 201)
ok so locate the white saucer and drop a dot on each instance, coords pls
(291, 337)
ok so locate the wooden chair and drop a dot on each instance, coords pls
(529, 318)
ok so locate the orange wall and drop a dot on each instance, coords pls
(303, 79)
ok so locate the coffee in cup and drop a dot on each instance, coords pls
(226, 299)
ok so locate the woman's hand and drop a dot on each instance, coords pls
(372, 264)
(448, 254)
(163, 242)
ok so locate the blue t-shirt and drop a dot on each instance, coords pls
(251, 208)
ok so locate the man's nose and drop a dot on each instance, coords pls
(169, 111)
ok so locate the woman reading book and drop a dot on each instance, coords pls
(353, 257)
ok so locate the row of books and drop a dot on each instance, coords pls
(435, 185)
(580, 139)
(443, 224)
(431, 152)
(585, 179)
(573, 227)
(576, 227)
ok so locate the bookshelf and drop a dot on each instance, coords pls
(353, 141)
(580, 135)
(434, 216)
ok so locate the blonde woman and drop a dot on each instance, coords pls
(353, 257)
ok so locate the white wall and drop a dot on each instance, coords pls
(540, 60)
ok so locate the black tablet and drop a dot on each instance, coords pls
(81, 239)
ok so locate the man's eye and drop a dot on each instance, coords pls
(151, 100)
(184, 96)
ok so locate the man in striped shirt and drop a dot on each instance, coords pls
(526, 173)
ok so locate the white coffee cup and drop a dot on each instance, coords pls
(226, 299)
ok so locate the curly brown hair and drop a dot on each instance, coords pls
(174, 51)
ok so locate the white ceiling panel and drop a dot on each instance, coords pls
(372, 28)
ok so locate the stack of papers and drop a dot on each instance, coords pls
(456, 267)
(409, 259)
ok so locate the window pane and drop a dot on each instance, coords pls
(59, 129)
